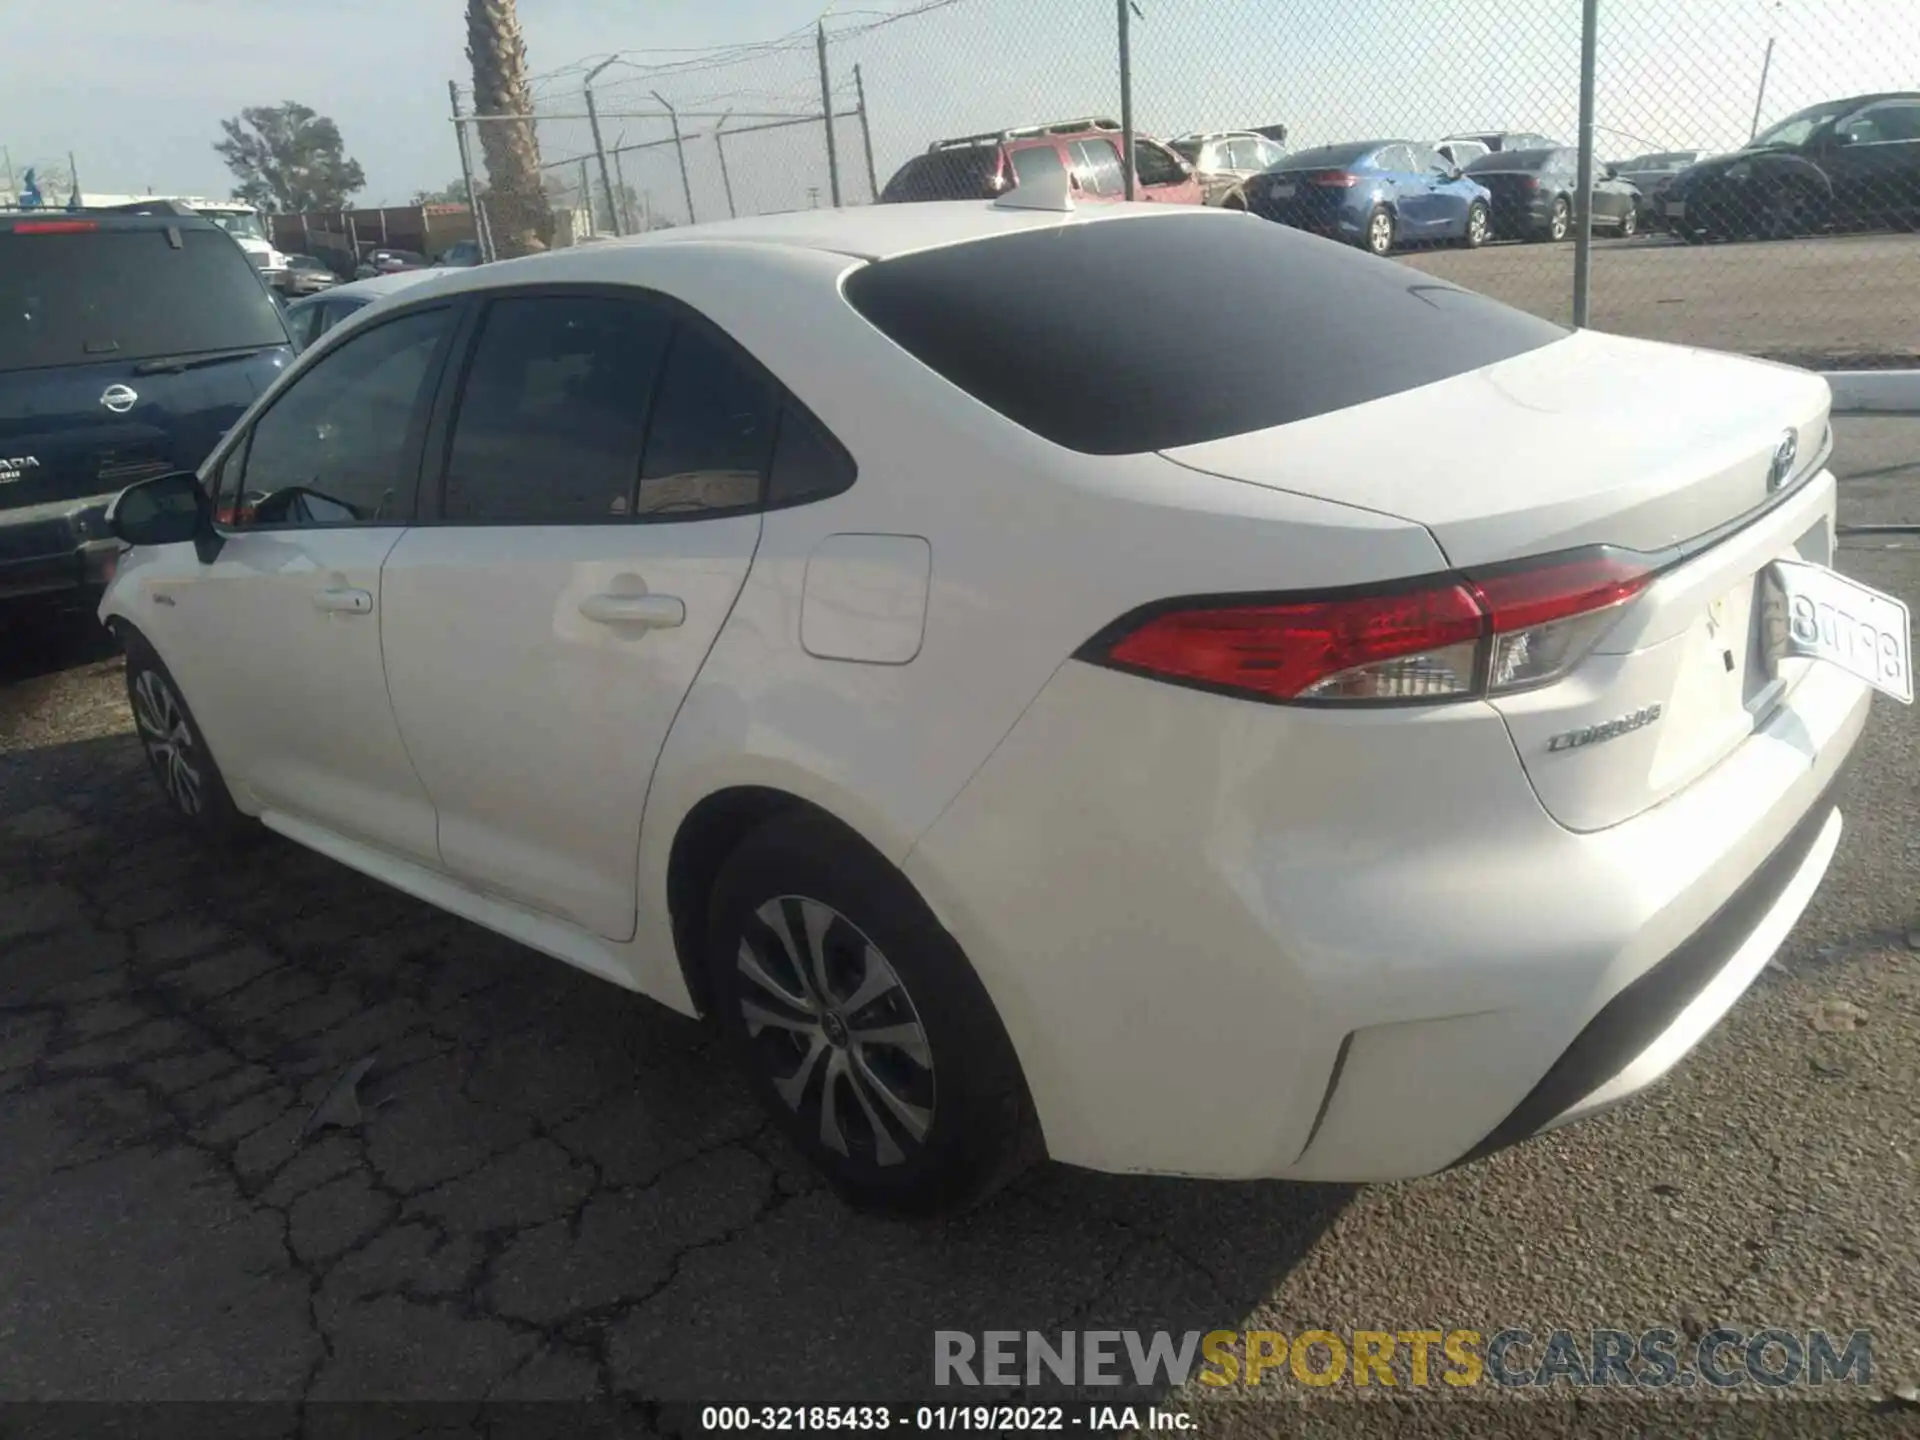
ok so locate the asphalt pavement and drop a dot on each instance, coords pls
(1848, 298)
(544, 1189)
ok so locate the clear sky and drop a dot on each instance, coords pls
(136, 91)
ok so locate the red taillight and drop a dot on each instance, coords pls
(1452, 638)
(54, 227)
(1342, 179)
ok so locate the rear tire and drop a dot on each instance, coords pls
(864, 1032)
(1377, 238)
(1479, 226)
(1629, 225)
(1559, 220)
(176, 749)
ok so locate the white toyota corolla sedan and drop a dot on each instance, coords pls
(1316, 723)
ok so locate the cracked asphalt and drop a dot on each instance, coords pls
(549, 1190)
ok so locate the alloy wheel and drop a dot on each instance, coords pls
(1629, 225)
(831, 1020)
(162, 724)
(1380, 232)
(1559, 223)
(1476, 226)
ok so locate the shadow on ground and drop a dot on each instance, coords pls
(554, 1190)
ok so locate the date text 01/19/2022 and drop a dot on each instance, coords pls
(935, 1419)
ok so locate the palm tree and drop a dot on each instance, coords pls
(516, 204)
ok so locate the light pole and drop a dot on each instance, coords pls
(593, 123)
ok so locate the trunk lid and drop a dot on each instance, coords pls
(1597, 440)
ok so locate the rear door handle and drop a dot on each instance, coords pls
(343, 601)
(649, 612)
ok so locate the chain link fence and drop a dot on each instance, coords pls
(1755, 179)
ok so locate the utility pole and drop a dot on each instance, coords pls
(826, 111)
(593, 124)
(866, 132)
(679, 149)
(626, 208)
(586, 197)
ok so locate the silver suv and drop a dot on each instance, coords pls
(1222, 159)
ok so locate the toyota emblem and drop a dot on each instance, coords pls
(1781, 470)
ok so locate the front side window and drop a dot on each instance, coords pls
(1888, 120)
(709, 438)
(1155, 166)
(339, 447)
(553, 411)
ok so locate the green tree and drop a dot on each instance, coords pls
(288, 159)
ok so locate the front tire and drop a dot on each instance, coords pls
(865, 1033)
(176, 749)
(1629, 225)
(1378, 236)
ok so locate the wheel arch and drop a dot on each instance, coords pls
(711, 830)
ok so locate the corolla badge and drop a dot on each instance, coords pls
(118, 398)
(1610, 730)
(1784, 454)
(14, 467)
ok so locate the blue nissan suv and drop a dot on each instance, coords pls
(1377, 194)
(129, 344)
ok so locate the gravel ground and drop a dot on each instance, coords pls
(557, 1192)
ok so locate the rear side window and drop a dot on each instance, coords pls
(1288, 327)
(1098, 164)
(1036, 162)
(553, 411)
(711, 432)
(965, 174)
(110, 294)
(807, 463)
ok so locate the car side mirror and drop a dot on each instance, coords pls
(1456, 173)
(167, 510)
(1610, 173)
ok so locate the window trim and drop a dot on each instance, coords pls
(437, 448)
(417, 427)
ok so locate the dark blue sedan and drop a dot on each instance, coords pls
(1374, 193)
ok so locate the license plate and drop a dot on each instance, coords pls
(1677, 208)
(1281, 190)
(1821, 615)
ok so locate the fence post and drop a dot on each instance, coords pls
(626, 209)
(679, 149)
(586, 198)
(826, 113)
(1126, 96)
(1583, 206)
(866, 133)
(726, 180)
(466, 173)
(593, 124)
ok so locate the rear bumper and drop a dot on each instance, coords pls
(1244, 941)
(61, 545)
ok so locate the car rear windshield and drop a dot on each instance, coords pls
(945, 175)
(73, 298)
(1514, 160)
(1330, 155)
(1288, 326)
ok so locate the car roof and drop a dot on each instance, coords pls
(865, 232)
(14, 218)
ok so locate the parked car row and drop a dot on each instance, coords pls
(1379, 194)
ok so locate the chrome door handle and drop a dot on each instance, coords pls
(342, 601)
(648, 612)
